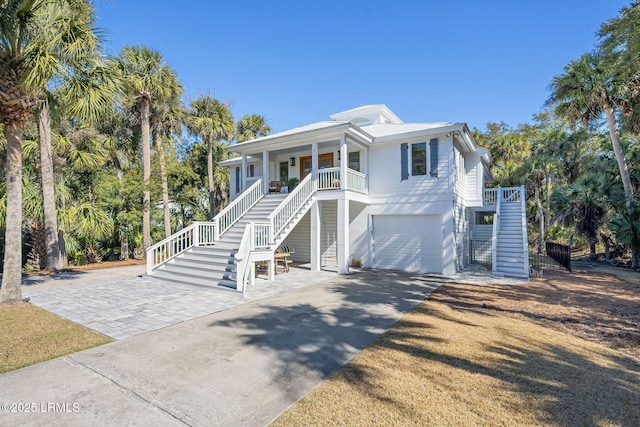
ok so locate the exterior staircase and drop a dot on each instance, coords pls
(214, 266)
(512, 252)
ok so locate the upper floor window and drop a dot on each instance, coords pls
(424, 159)
(419, 158)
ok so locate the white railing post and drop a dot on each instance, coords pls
(196, 236)
(150, 255)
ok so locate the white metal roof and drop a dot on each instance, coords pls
(379, 131)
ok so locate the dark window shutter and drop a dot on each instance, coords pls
(251, 170)
(404, 161)
(433, 155)
(237, 180)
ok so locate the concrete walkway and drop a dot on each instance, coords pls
(239, 367)
(118, 303)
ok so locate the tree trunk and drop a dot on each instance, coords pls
(52, 259)
(210, 166)
(146, 166)
(614, 132)
(157, 139)
(124, 238)
(12, 274)
(548, 208)
(540, 216)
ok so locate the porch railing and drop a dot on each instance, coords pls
(281, 216)
(329, 179)
(512, 195)
(490, 197)
(508, 195)
(197, 234)
(356, 181)
(240, 206)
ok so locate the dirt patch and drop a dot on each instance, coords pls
(593, 305)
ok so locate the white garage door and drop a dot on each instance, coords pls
(408, 242)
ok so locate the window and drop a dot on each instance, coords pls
(354, 161)
(284, 171)
(419, 159)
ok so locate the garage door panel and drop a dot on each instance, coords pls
(407, 242)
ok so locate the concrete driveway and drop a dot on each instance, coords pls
(239, 367)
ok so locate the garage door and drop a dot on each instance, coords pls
(408, 242)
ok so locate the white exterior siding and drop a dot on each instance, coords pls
(298, 240)
(385, 170)
(461, 235)
(329, 233)
(474, 180)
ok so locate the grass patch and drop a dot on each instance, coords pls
(458, 360)
(30, 334)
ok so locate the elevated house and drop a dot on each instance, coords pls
(371, 189)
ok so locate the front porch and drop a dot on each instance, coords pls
(336, 157)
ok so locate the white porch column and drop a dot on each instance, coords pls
(315, 238)
(265, 171)
(364, 166)
(344, 160)
(343, 235)
(243, 174)
(314, 157)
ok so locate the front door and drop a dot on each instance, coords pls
(324, 161)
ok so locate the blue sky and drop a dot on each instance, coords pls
(296, 62)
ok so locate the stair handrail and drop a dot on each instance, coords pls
(236, 209)
(180, 241)
(242, 258)
(525, 234)
(496, 229)
(288, 208)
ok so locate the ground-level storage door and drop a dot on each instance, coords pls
(408, 242)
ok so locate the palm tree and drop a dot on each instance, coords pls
(39, 40)
(145, 75)
(251, 126)
(166, 118)
(587, 88)
(211, 120)
(87, 92)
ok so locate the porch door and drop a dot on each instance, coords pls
(324, 161)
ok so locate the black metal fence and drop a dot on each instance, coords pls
(480, 252)
(560, 253)
(556, 256)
